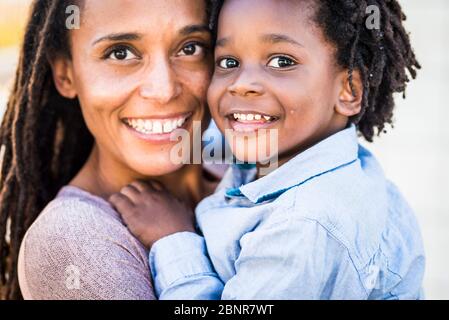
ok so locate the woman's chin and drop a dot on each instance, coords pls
(154, 168)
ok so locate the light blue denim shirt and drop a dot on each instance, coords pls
(325, 225)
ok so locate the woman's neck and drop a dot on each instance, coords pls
(103, 176)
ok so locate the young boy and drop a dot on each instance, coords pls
(326, 224)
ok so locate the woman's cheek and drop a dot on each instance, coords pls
(106, 93)
(196, 83)
(111, 86)
(213, 98)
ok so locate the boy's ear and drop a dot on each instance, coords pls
(350, 98)
(62, 70)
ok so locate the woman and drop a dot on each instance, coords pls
(92, 110)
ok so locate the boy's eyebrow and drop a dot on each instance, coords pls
(222, 42)
(132, 36)
(274, 38)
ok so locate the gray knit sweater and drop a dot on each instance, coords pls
(79, 248)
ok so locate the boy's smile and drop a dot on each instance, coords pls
(248, 122)
(275, 70)
(244, 118)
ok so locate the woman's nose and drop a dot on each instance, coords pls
(160, 83)
(247, 84)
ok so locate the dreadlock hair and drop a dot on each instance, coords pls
(384, 57)
(43, 137)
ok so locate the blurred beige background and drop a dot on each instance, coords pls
(415, 155)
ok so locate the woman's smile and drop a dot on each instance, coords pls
(138, 83)
(157, 129)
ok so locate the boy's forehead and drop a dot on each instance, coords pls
(248, 18)
(288, 9)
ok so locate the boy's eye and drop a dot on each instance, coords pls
(121, 54)
(192, 49)
(281, 62)
(228, 63)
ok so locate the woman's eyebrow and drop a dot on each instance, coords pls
(194, 28)
(132, 36)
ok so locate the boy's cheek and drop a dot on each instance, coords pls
(215, 113)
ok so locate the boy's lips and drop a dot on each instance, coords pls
(249, 121)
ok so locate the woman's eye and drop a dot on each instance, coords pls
(228, 63)
(121, 54)
(281, 62)
(192, 49)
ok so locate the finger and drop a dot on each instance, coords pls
(131, 192)
(158, 186)
(142, 186)
(121, 203)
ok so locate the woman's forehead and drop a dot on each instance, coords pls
(133, 15)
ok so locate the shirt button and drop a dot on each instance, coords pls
(371, 280)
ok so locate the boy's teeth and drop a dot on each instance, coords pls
(251, 117)
(155, 126)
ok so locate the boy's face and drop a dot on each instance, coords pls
(274, 70)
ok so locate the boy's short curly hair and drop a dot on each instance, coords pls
(384, 57)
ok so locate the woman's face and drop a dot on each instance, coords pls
(140, 69)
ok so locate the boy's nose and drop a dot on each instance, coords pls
(160, 83)
(247, 85)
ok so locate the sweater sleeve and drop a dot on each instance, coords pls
(75, 250)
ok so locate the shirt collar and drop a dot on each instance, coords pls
(328, 155)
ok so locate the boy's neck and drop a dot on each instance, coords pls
(262, 170)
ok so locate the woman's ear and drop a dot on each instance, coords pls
(350, 97)
(62, 70)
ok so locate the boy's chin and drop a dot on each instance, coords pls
(245, 156)
(255, 149)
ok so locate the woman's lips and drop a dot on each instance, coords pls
(156, 129)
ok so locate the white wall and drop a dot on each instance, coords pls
(415, 155)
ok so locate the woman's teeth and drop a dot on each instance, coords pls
(155, 126)
(248, 117)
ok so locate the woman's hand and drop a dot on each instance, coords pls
(151, 212)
